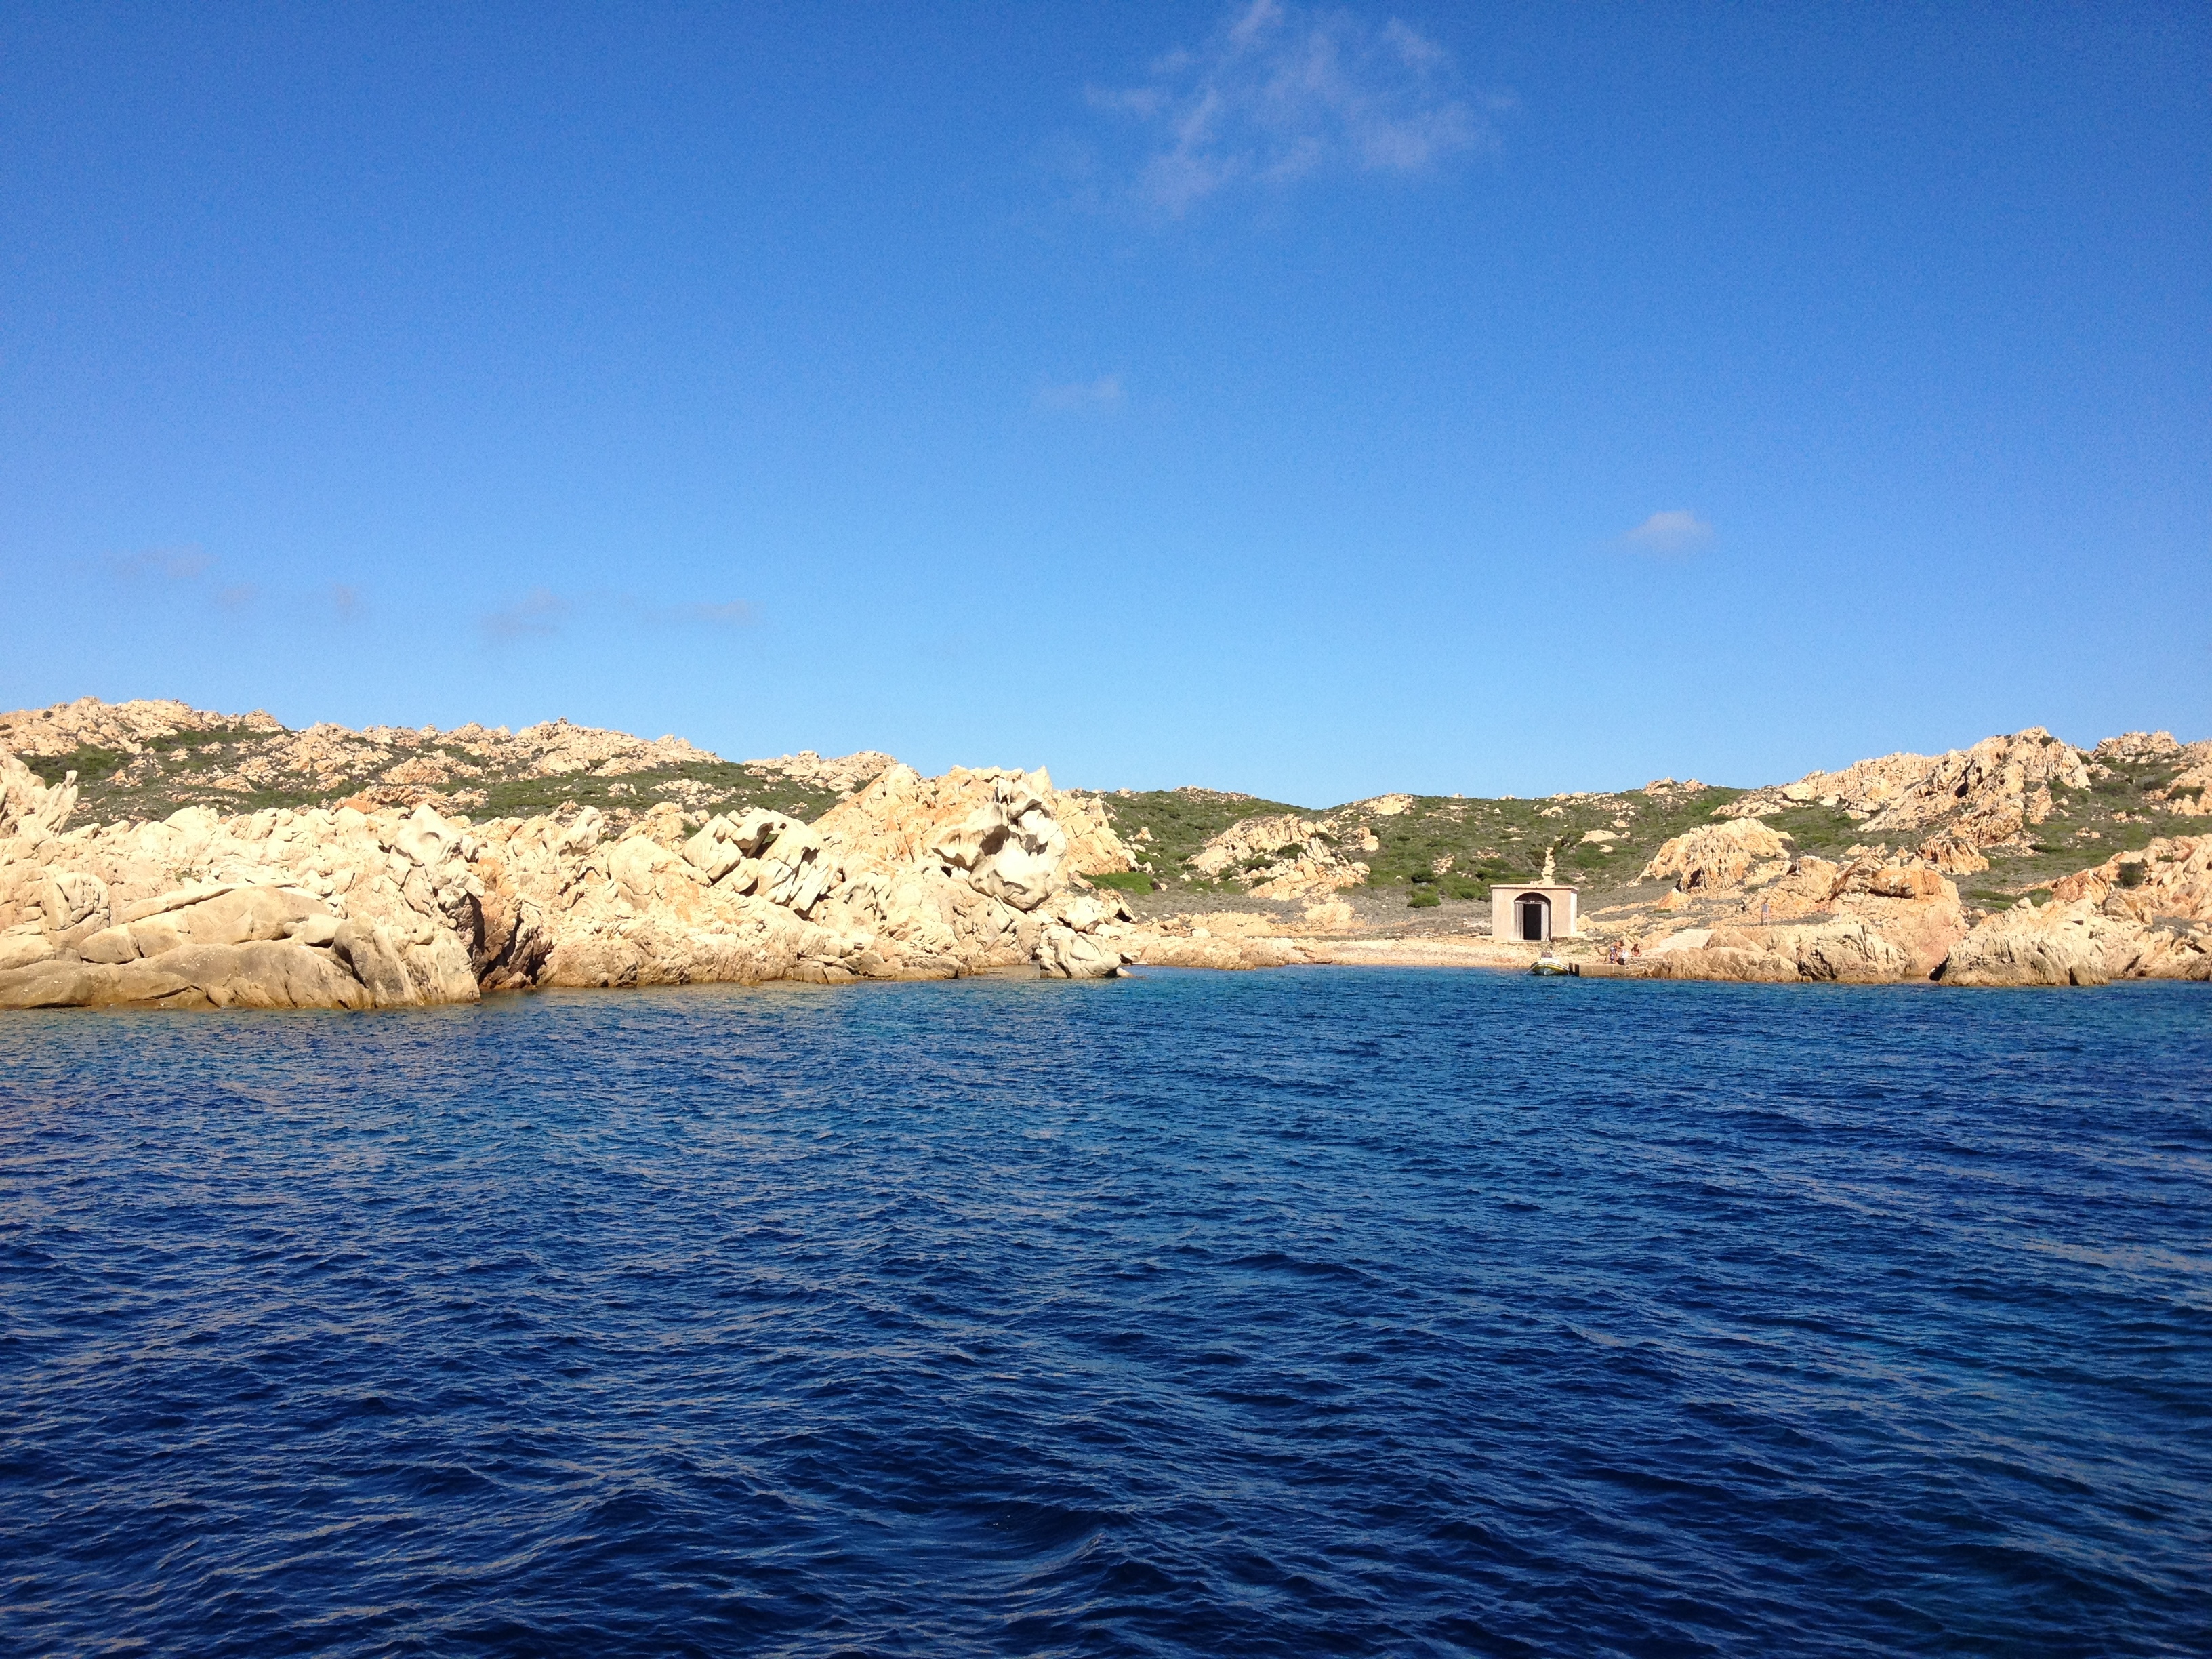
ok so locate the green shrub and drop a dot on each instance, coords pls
(90, 764)
(1424, 899)
(1121, 881)
(2132, 873)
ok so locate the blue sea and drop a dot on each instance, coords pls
(1326, 1311)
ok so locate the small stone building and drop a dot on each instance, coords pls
(1533, 911)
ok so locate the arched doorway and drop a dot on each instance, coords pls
(1534, 911)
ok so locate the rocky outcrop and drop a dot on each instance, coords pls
(2138, 916)
(1282, 855)
(28, 805)
(913, 878)
(1092, 844)
(1744, 963)
(2136, 748)
(2185, 794)
(128, 728)
(1862, 922)
(1715, 856)
(1982, 797)
(841, 774)
(334, 754)
(1227, 940)
(168, 753)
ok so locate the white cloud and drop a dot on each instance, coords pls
(1104, 392)
(1675, 531)
(1282, 91)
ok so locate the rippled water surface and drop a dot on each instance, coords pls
(1295, 1313)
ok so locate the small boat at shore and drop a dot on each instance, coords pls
(1547, 964)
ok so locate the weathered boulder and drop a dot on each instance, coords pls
(1750, 965)
(1848, 950)
(21, 946)
(1715, 856)
(1092, 845)
(56, 982)
(262, 974)
(1281, 856)
(1978, 797)
(1063, 953)
(28, 805)
(2052, 944)
(259, 975)
(2138, 916)
(2170, 878)
(1170, 950)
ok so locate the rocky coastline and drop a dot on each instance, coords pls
(369, 883)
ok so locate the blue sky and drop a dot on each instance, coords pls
(1312, 402)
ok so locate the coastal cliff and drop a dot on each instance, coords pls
(232, 862)
(357, 905)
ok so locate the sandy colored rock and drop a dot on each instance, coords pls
(912, 878)
(23, 946)
(2138, 916)
(1063, 953)
(1749, 966)
(1981, 797)
(1092, 844)
(841, 774)
(1281, 856)
(1951, 856)
(128, 728)
(1232, 954)
(1715, 856)
(29, 807)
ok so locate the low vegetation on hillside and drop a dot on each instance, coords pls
(1455, 846)
(2067, 808)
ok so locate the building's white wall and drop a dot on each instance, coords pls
(1501, 911)
(1560, 921)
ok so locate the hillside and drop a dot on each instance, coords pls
(2008, 815)
(147, 759)
(224, 859)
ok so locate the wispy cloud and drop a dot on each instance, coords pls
(168, 564)
(1282, 91)
(176, 575)
(541, 613)
(1675, 531)
(535, 614)
(733, 613)
(1106, 392)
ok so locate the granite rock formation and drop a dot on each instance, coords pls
(2137, 915)
(1985, 796)
(912, 878)
(367, 876)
